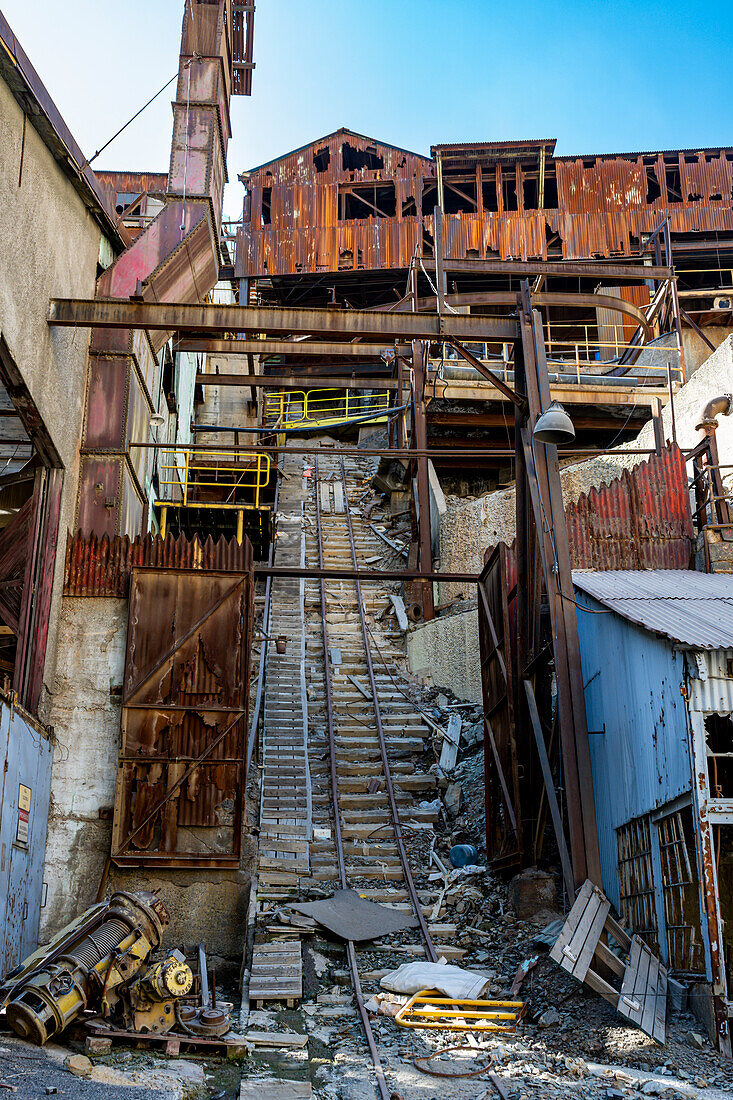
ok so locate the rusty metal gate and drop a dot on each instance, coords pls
(503, 833)
(181, 774)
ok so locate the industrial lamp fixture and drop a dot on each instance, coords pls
(554, 426)
(157, 420)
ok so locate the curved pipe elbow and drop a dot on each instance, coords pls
(715, 407)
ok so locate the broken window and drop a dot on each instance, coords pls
(409, 208)
(371, 200)
(353, 160)
(719, 741)
(125, 199)
(266, 216)
(653, 190)
(322, 159)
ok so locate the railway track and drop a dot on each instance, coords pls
(367, 754)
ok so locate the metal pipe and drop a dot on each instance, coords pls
(458, 373)
(715, 407)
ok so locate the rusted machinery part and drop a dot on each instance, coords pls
(54, 994)
(414, 612)
(205, 1022)
(715, 407)
(423, 1064)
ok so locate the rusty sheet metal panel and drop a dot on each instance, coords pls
(130, 183)
(100, 566)
(642, 520)
(302, 165)
(181, 774)
(496, 631)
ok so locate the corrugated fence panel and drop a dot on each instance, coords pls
(102, 566)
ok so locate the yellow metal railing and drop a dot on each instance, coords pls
(211, 479)
(319, 408)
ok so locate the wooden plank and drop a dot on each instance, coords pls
(338, 497)
(643, 998)
(451, 741)
(399, 608)
(323, 489)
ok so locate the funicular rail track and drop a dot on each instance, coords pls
(343, 869)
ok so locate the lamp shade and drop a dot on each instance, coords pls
(554, 426)
(157, 420)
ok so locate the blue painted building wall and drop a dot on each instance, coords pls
(637, 721)
(25, 758)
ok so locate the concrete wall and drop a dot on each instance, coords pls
(86, 718)
(445, 652)
(50, 247)
(204, 905)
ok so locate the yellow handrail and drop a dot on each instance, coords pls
(295, 408)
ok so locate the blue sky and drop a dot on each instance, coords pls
(600, 77)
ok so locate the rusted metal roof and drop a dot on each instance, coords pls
(694, 609)
(102, 566)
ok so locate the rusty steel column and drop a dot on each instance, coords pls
(423, 479)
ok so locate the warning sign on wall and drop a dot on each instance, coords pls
(24, 814)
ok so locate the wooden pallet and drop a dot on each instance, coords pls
(277, 972)
(643, 996)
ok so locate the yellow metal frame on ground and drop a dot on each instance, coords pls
(486, 1015)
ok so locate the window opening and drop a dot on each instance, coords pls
(653, 190)
(488, 191)
(266, 217)
(409, 208)
(322, 159)
(674, 183)
(370, 200)
(353, 160)
(551, 199)
(460, 197)
(719, 740)
(509, 190)
(530, 193)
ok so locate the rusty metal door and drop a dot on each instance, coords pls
(25, 785)
(181, 775)
(503, 832)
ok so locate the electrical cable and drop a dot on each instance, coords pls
(128, 123)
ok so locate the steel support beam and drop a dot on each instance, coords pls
(321, 349)
(346, 323)
(297, 381)
(527, 268)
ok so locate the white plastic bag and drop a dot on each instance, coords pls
(464, 985)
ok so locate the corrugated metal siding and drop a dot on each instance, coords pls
(714, 694)
(602, 210)
(100, 566)
(637, 724)
(695, 609)
(642, 520)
